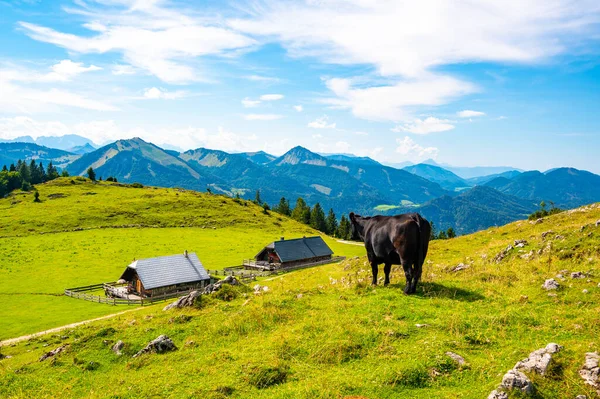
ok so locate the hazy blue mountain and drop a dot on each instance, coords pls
(437, 174)
(566, 187)
(481, 180)
(82, 149)
(476, 209)
(12, 152)
(351, 158)
(469, 172)
(259, 157)
(65, 142)
(135, 160)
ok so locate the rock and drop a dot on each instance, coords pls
(545, 233)
(117, 347)
(597, 223)
(184, 301)
(258, 289)
(421, 325)
(578, 275)
(53, 352)
(459, 267)
(458, 359)
(580, 397)
(540, 220)
(560, 276)
(550, 284)
(591, 370)
(158, 345)
(209, 289)
(299, 296)
(585, 291)
(559, 237)
(516, 380)
(498, 258)
(496, 394)
(520, 243)
(539, 360)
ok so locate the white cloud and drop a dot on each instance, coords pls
(155, 93)
(321, 123)
(17, 126)
(262, 117)
(248, 103)
(271, 97)
(467, 113)
(298, 108)
(149, 35)
(413, 151)
(66, 70)
(393, 102)
(425, 126)
(342, 146)
(123, 70)
(264, 79)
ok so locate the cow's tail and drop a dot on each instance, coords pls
(422, 239)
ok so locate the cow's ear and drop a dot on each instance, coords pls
(352, 216)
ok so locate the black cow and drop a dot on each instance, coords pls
(394, 240)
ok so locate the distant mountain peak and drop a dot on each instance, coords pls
(299, 155)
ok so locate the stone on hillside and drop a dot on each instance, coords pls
(584, 291)
(514, 379)
(545, 233)
(498, 258)
(539, 360)
(259, 289)
(597, 223)
(53, 352)
(458, 359)
(117, 347)
(578, 275)
(158, 345)
(520, 243)
(459, 267)
(496, 394)
(184, 301)
(209, 289)
(559, 237)
(550, 284)
(591, 370)
(540, 220)
(580, 397)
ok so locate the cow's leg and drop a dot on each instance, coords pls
(409, 277)
(387, 269)
(418, 270)
(374, 269)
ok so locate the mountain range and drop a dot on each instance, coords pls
(342, 182)
(69, 142)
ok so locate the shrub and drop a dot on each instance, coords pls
(227, 293)
(25, 186)
(136, 185)
(265, 376)
(415, 377)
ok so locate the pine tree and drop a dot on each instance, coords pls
(12, 168)
(344, 230)
(44, 176)
(65, 173)
(91, 174)
(51, 172)
(4, 168)
(433, 233)
(257, 199)
(36, 196)
(34, 171)
(450, 232)
(283, 207)
(331, 222)
(301, 210)
(317, 218)
(23, 171)
(442, 235)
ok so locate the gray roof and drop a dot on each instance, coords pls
(169, 270)
(300, 248)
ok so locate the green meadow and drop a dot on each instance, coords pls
(59, 247)
(324, 332)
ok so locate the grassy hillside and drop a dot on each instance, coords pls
(324, 333)
(84, 233)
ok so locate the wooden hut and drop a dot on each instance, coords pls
(289, 253)
(165, 274)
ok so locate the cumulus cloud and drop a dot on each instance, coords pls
(298, 108)
(155, 93)
(321, 123)
(248, 103)
(467, 113)
(67, 69)
(271, 97)
(262, 117)
(413, 151)
(123, 70)
(425, 126)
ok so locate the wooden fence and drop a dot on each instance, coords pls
(82, 293)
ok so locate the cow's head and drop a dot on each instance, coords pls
(356, 221)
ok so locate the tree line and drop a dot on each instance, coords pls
(24, 175)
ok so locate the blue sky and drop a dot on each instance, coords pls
(466, 83)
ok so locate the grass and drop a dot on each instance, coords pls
(65, 249)
(326, 333)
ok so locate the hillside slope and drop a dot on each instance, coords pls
(12, 152)
(439, 175)
(319, 333)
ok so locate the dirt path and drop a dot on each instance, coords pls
(360, 244)
(57, 329)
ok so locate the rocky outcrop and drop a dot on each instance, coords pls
(459, 267)
(520, 243)
(458, 359)
(53, 353)
(118, 347)
(550, 284)
(514, 379)
(578, 275)
(497, 394)
(184, 301)
(159, 345)
(539, 360)
(498, 258)
(591, 370)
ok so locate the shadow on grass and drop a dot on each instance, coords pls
(435, 290)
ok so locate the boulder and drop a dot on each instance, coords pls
(117, 347)
(516, 380)
(184, 301)
(545, 233)
(591, 370)
(578, 275)
(498, 258)
(550, 284)
(53, 352)
(459, 267)
(259, 289)
(458, 359)
(539, 360)
(520, 243)
(209, 289)
(159, 345)
(497, 394)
